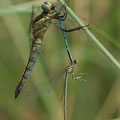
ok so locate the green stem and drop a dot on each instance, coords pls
(14, 10)
(21, 8)
(93, 38)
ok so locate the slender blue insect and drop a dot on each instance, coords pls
(64, 30)
(66, 44)
(66, 74)
(68, 70)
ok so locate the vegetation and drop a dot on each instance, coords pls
(96, 99)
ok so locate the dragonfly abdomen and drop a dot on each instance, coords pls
(36, 47)
(38, 27)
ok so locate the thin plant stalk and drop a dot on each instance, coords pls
(93, 38)
(22, 8)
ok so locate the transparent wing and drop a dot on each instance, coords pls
(35, 11)
(30, 27)
(31, 92)
(55, 80)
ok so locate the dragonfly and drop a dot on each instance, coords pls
(38, 26)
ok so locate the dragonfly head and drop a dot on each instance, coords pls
(47, 6)
(75, 62)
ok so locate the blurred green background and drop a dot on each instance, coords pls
(96, 99)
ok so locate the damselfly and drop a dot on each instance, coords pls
(38, 26)
(72, 71)
(69, 70)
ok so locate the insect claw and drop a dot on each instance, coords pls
(80, 78)
(84, 80)
(65, 5)
(83, 73)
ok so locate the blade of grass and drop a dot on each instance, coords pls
(111, 103)
(22, 8)
(106, 36)
(93, 38)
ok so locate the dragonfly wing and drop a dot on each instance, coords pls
(31, 21)
(55, 80)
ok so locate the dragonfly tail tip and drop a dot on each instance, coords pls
(17, 92)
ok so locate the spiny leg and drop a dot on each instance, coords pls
(30, 28)
(65, 14)
(60, 17)
(63, 17)
(32, 15)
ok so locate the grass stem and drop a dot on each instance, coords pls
(92, 37)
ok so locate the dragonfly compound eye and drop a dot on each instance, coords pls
(75, 61)
(46, 6)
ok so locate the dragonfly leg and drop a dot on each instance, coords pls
(63, 17)
(63, 7)
(72, 75)
(32, 15)
(65, 13)
(77, 77)
(70, 30)
(80, 73)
